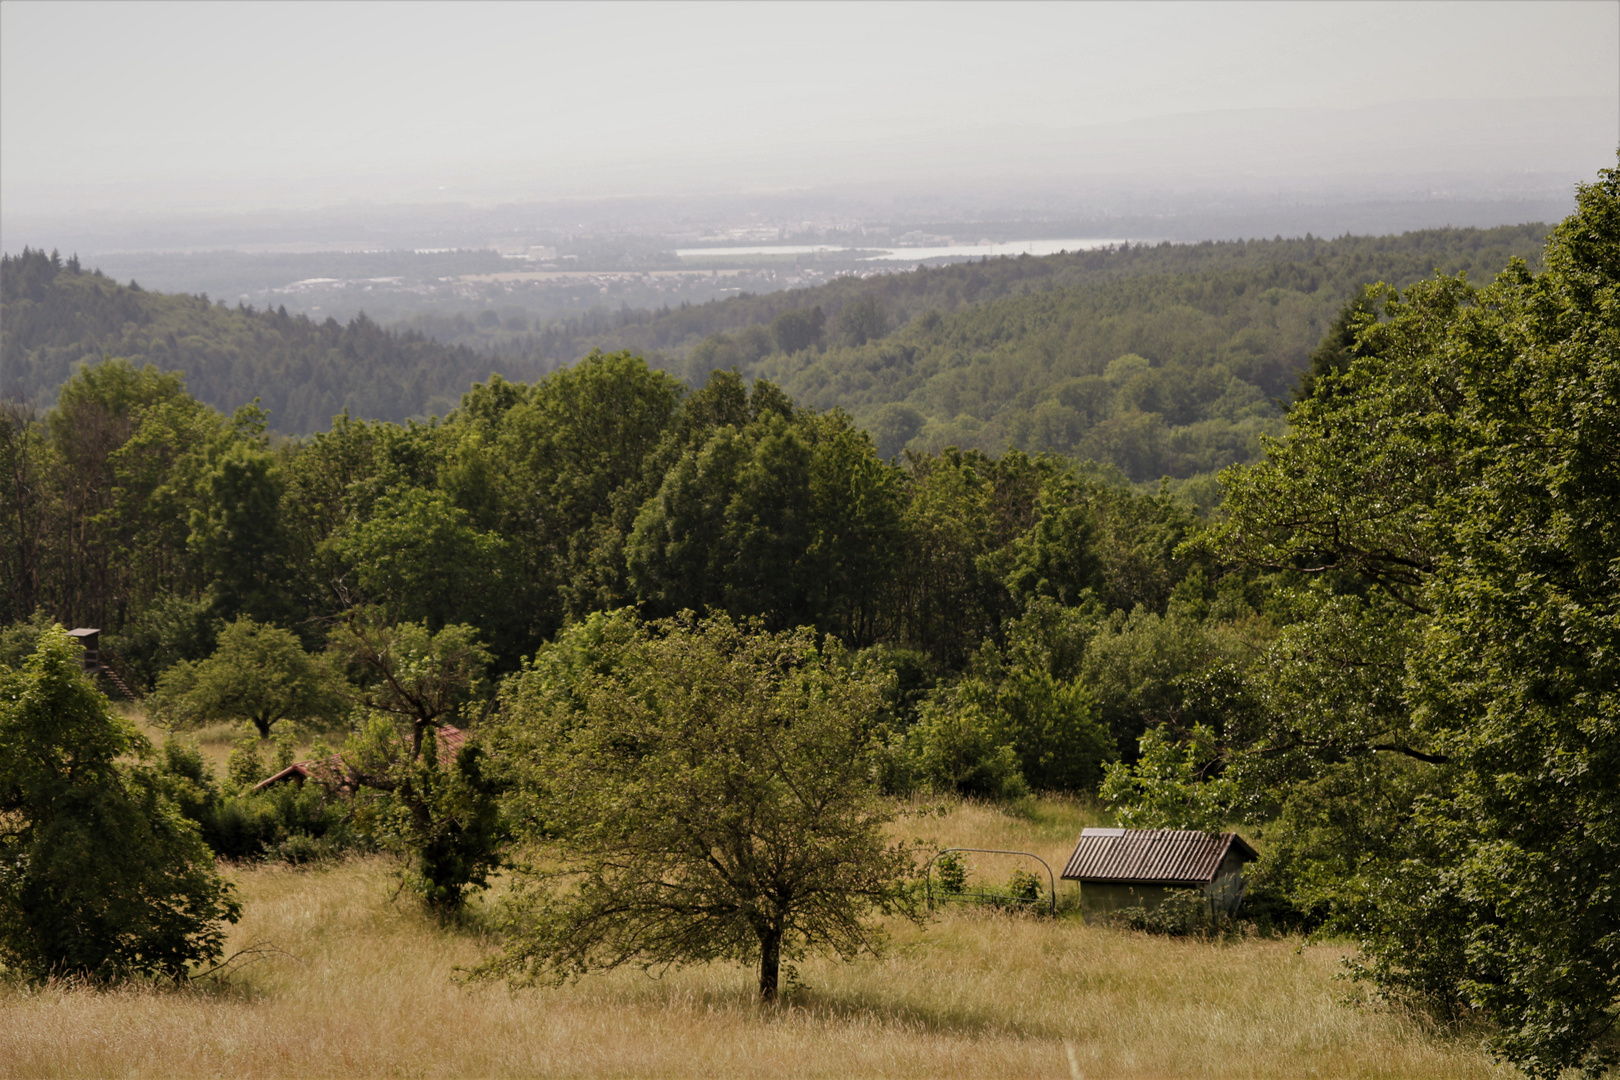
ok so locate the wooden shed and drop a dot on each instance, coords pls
(1120, 868)
(90, 638)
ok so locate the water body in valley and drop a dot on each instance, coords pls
(875, 253)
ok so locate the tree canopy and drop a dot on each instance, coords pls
(100, 874)
(1438, 734)
(705, 789)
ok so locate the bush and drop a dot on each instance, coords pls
(286, 822)
(101, 875)
(1183, 913)
(19, 640)
(1024, 886)
(961, 748)
(443, 817)
(185, 778)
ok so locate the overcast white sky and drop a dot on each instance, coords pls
(290, 102)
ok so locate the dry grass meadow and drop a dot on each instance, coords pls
(365, 986)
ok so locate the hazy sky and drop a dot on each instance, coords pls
(291, 102)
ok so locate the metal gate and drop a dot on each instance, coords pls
(990, 897)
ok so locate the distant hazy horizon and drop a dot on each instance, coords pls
(127, 120)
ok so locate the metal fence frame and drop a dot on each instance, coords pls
(928, 871)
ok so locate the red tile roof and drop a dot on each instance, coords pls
(450, 739)
(1175, 857)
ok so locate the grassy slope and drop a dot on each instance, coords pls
(367, 987)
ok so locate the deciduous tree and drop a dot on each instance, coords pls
(702, 790)
(100, 874)
(1465, 471)
(259, 673)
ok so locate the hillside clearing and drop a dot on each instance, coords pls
(365, 986)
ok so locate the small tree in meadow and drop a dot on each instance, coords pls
(259, 673)
(438, 808)
(701, 790)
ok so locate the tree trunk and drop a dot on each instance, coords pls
(263, 724)
(770, 963)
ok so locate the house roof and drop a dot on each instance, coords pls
(450, 739)
(298, 770)
(1152, 856)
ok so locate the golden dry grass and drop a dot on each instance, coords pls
(368, 988)
(217, 740)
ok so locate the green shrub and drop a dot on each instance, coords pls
(101, 875)
(287, 822)
(245, 767)
(443, 817)
(283, 822)
(1183, 913)
(962, 748)
(1024, 886)
(185, 778)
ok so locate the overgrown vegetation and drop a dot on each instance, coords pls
(693, 650)
(101, 876)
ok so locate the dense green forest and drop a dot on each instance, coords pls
(54, 315)
(1158, 361)
(1167, 360)
(1332, 268)
(134, 506)
(1388, 652)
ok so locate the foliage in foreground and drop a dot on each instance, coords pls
(1438, 735)
(697, 790)
(100, 873)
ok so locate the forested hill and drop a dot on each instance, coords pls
(1166, 360)
(1332, 266)
(54, 314)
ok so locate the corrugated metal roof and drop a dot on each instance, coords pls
(1151, 856)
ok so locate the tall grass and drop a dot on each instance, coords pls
(366, 986)
(216, 741)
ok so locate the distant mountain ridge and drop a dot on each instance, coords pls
(1159, 360)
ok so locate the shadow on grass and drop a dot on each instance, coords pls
(797, 1003)
(812, 1006)
(225, 986)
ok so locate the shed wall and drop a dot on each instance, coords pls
(1103, 899)
(1225, 892)
(1227, 889)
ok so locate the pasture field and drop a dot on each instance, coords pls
(364, 985)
